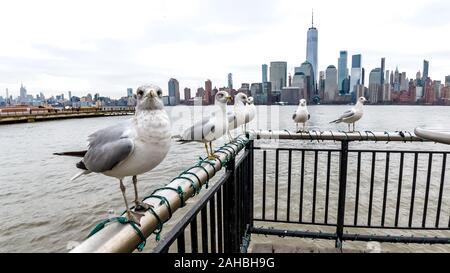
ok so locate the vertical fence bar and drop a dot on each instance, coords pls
(277, 161)
(289, 186)
(427, 190)
(229, 212)
(302, 180)
(372, 183)
(194, 241)
(441, 189)
(386, 181)
(413, 190)
(181, 243)
(399, 191)
(327, 197)
(252, 182)
(358, 182)
(204, 221)
(342, 191)
(212, 223)
(316, 155)
(264, 185)
(219, 221)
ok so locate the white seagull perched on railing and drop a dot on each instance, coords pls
(353, 115)
(301, 115)
(131, 147)
(239, 115)
(210, 128)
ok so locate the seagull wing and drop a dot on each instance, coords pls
(199, 130)
(108, 147)
(345, 115)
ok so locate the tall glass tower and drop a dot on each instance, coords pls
(343, 72)
(312, 49)
(356, 72)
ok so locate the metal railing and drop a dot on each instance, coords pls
(225, 214)
(119, 236)
(326, 186)
(342, 188)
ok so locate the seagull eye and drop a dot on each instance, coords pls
(140, 93)
(159, 92)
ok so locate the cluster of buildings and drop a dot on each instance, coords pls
(335, 85)
(62, 101)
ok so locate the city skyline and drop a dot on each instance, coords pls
(107, 56)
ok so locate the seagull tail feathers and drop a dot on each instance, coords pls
(80, 174)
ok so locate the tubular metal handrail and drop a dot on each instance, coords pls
(116, 237)
(338, 136)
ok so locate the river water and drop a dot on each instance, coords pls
(43, 211)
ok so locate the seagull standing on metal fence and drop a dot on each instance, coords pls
(130, 148)
(353, 115)
(210, 128)
(301, 115)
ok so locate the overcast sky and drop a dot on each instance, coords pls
(107, 46)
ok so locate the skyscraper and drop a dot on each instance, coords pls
(355, 77)
(187, 94)
(264, 73)
(343, 72)
(278, 75)
(174, 92)
(230, 81)
(375, 91)
(23, 94)
(307, 70)
(383, 67)
(426, 65)
(447, 81)
(312, 49)
(129, 92)
(331, 86)
(208, 92)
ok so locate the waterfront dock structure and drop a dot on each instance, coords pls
(36, 116)
(328, 191)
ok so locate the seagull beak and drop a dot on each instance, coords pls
(152, 94)
(229, 98)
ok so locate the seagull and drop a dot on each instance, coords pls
(238, 116)
(353, 115)
(130, 148)
(301, 115)
(210, 128)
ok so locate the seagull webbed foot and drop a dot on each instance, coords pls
(213, 157)
(134, 217)
(141, 206)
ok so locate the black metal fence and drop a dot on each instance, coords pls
(343, 193)
(353, 189)
(219, 220)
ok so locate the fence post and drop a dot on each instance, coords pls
(343, 162)
(231, 242)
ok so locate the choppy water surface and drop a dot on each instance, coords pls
(43, 211)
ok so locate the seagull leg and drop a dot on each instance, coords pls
(207, 151)
(211, 155)
(353, 127)
(349, 130)
(139, 206)
(230, 137)
(304, 126)
(132, 216)
(296, 127)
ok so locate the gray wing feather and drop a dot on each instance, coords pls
(108, 147)
(198, 131)
(347, 114)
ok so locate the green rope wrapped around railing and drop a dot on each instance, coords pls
(229, 152)
(123, 221)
